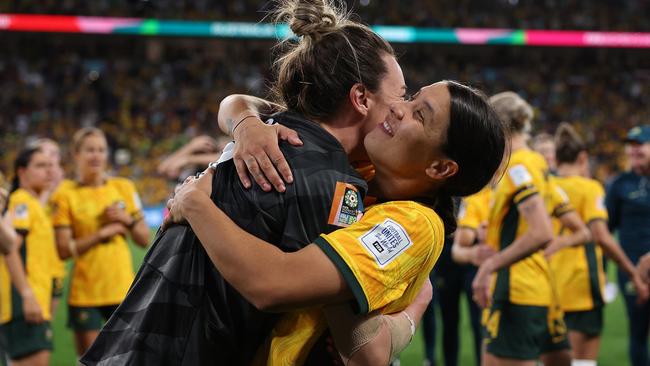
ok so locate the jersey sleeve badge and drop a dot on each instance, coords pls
(347, 207)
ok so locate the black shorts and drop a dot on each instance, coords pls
(522, 332)
(589, 322)
(24, 339)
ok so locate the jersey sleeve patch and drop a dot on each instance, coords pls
(21, 212)
(386, 241)
(520, 175)
(347, 207)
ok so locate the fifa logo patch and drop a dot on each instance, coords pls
(347, 207)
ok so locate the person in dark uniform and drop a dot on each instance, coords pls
(179, 310)
(628, 205)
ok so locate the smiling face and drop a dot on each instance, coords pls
(391, 90)
(409, 143)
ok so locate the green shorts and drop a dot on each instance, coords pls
(589, 322)
(522, 332)
(89, 317)
(57, 288)
(23, 339)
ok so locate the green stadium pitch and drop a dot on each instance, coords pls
(613, 349)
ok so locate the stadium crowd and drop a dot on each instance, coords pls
(150, 105)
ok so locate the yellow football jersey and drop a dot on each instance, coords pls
(103, 274)
(30, 220)
(578, 271)
(527, 281)
(475, 209)
(384, 258)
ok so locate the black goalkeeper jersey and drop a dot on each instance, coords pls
(179, 310)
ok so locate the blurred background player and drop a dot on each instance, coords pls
(92, 217)
(578, 270)
(544, 144)
(628, 205)
(518, 299)
(26, 277)
(453, 275)
(52, 150)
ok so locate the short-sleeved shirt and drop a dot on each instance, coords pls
(527, 281)
(30, 220)
(475, 209)
(578, 271)
(384, 258)
(628, 204)
(180, 310)
(102, 275)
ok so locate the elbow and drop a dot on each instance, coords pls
(266, 301)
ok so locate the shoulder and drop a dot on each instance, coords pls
(411, 215)
(120, 182)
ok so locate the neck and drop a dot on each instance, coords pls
(31, 191)
(90, 179)
(391, 187)
(566, 170)
(347, 129)
(518, 142)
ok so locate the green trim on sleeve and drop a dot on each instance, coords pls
(361, 303)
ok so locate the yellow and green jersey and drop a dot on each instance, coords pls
(384, 258)
(31, 221)
(526, 282)
(102, 275)
(578, 271)
(475, 209)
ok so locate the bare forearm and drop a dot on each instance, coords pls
(81, 246)
(521, 248)
(17, 271)
(140, 233)
(8, 237)
(234, 107)
(615, 252)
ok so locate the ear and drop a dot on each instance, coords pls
(359, 98)
(442, 169)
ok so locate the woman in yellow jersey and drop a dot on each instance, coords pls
(578, 269)
(514, 285)
(92, 217)
(446, 141)
(25, 277)
(52, 150)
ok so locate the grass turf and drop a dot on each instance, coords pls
(613, 348)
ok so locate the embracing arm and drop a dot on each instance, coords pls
(237, 106)
(257, 147)
(262, 273)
